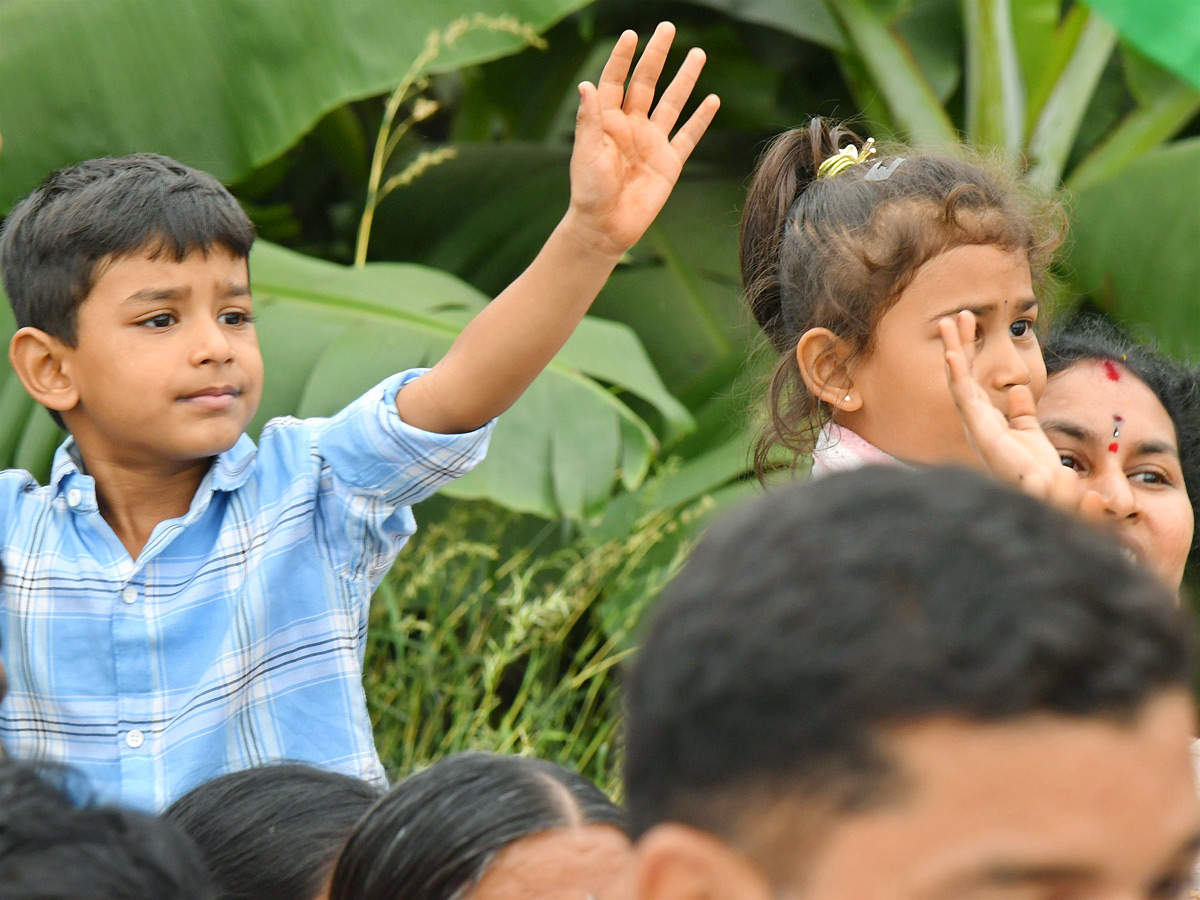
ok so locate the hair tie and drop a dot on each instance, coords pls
(845, 158)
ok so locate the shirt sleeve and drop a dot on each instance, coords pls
(377, 466)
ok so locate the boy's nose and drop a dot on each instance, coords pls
(211, 345)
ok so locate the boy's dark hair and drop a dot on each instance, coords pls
(837, 252)
(806, 625)
(272, 833)
(433, 836)
(56, 239)
(50, 850)
(1176, 386)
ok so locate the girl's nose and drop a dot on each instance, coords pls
(1008, 366)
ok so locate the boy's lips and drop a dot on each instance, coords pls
(214, 398)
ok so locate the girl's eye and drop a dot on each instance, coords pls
(162, 320)
(236, 317)
(1021, 328)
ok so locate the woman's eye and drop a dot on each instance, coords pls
(1069, 461)
(1021, 328)
(1150, 478)
(162, 320)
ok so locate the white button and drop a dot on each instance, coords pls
(74, 497)
(135, 739)
(130, 594)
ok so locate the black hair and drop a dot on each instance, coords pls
(274, 832)
(55, 241)
(806, 624)
(51, 850)
(837, 251)
(1176, 385)
(433, 836)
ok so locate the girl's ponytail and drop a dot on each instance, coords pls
(785, 171)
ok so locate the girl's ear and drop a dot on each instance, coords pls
(823, 357)
(40, 361)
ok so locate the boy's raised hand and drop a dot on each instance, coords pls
(623, 168)
(625, 162)
(1012, 446)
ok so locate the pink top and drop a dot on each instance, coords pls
(839, 449)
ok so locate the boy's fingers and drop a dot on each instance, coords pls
(610, 88)
(588, 126)
(693, 129)
(645, 76)
(671, 104)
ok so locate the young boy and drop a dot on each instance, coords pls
(911, 685)
(178, 603)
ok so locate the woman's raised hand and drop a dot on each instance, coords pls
(625, 161)
(1012, 446)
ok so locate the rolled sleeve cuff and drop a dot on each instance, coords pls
(370, 448)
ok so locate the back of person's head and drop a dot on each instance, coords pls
(434, 835)
(836, 251)
(57, 240)
(272, 833)
(810, 624)
(51, 850)
(1176, 385)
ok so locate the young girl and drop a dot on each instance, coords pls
(1116, 437)
(850, 261)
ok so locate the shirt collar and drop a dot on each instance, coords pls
(229, 472)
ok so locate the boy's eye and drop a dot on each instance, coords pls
(162, 320)
(237, 317)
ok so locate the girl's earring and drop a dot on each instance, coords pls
(847, 398)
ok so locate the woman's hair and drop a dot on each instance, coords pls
(51, 849)
(272, 833)
(837, 251)
(1177, 387)
(434, 835)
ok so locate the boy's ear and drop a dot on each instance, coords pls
(823, 357)
(39, 359)
(675, 862)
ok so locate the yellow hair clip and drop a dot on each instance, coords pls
(845, 158)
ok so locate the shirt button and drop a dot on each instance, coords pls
(135, 739)
(130, 594)
(74, 497)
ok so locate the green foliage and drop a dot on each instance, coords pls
(493, 632)
(224, 85)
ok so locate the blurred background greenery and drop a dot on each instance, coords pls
(504, 621)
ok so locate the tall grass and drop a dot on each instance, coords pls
(498, 631)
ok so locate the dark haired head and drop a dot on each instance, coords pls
(806, 625)
(1177, 386)
(50, 850)
(272, 833)
(56, 241)
(836, 252)
(433, 836)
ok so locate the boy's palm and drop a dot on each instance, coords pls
(625, 162)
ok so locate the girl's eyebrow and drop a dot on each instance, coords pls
(986, 310)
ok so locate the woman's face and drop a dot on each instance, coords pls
(586, 861)
(1111, 428)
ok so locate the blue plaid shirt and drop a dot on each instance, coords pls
(237, 636)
